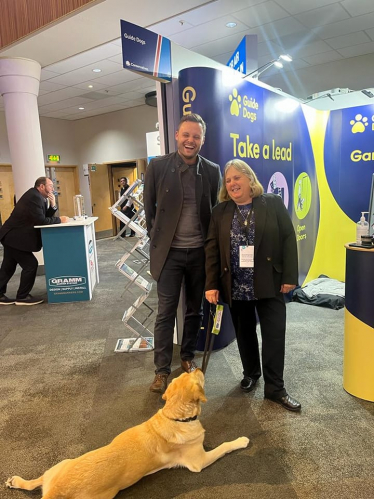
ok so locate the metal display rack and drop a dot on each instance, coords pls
(143, 340)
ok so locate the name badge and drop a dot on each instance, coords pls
(246, 256)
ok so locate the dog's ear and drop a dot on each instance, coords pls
(199, 393)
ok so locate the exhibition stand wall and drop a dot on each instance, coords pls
(358, 370)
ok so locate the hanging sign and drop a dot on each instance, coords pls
(145, 52)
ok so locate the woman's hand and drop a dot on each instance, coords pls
(286, 288)
(212, 296)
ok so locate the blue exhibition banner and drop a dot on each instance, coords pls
(244, 58)
(266, 130)
(349, 158)
(145, 52)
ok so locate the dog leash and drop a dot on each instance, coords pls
(213, 329)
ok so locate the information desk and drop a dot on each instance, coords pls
(358, 370)
(70, 260)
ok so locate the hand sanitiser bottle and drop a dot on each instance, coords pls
(362, 227)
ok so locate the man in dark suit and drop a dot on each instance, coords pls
(20, 239)
(180, 190)
(127, 207)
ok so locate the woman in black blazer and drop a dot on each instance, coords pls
(251, 261)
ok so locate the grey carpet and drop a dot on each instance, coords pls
(64, 391)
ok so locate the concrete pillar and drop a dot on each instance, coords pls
(19, 86)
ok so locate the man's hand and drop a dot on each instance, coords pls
(52, 199)
(212, 296)
(64, 220)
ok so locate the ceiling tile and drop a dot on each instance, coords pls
(311, 49)
(357, 8)
(96, 86)
(263, 13)
(86, 74)
(130, 96)
(216, 47)
(330, 56)
(140, 82)
(322, 16)
(279, 29)
(121, 76)
(92, 56)
(48, 86)
(356, 50)
(295, 40)
(60, 95)
(209, 32)
(64, 104)
(348, 40)
(297, 6)
(172, 26)
(212, 10)
(370, 32)
(340, 28)
(46, 74)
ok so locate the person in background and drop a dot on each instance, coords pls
(20, 239)
(251, 262)
(127, 207)
(180, 190)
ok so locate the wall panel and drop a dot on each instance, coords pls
(19, 18)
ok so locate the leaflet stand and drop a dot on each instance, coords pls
(135, 194)
(143, 340)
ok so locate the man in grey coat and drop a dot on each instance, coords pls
(180, 190)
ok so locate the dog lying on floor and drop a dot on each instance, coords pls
(172, 437)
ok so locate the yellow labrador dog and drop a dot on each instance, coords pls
(172, 437)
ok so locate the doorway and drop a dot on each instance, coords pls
(105, 191)
(101, 197)
(66, 183)
(6, 192)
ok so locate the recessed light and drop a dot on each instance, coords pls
(90, 86)
(96, 70)
(81, 108)
(230, 25)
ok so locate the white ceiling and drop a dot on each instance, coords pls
(331, 42)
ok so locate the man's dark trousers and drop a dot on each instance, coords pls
(29, 264)
(187, 263)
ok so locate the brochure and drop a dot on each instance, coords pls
(134, 344)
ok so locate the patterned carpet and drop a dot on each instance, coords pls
(64, 391)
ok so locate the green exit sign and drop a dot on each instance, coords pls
(53, 158)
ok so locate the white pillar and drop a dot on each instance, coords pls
(19, 86)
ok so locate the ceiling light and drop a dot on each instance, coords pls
(81, 108)
(96, 70)
(286, 57)
(274, 62)
(230, 25)
(90, 86)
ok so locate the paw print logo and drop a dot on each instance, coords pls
(359, 124)
(235, 100)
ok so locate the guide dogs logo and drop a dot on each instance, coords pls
(246, 107)
(235, 100)
(359, 123)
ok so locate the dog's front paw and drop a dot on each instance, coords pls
(242, 442)
(11, 483)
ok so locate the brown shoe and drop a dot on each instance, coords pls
(188, 365)
(159, 383)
